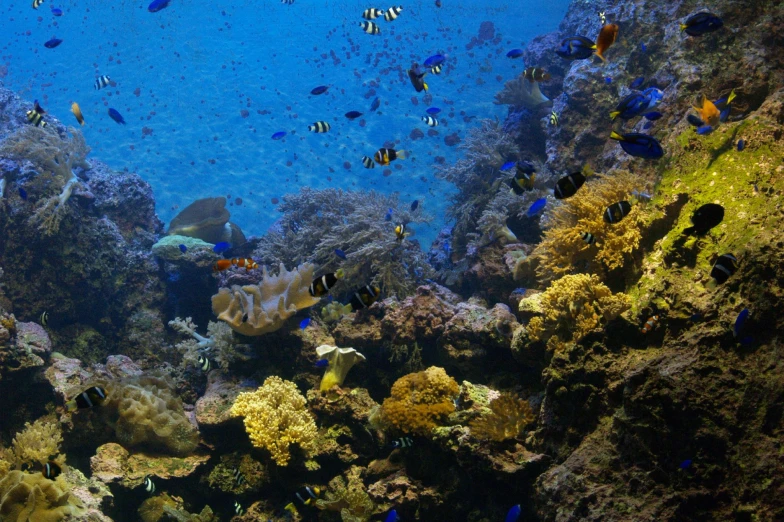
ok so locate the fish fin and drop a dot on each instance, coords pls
(70, 406)
(401, 154)
(597, 53)
(615, 136)
(614, 114)
(346, 309)
(425, 86)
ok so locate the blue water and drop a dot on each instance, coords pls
(185, 75)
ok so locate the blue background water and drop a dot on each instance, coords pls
(185, 74)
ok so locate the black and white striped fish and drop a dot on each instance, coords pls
(149, 485)
(369, 27)
(239, 478)
(319, 127)
(431, 122)
(403, 442)
(204, 363)
(101, 82)
(368, 163)
(392, 13)
(372, 13)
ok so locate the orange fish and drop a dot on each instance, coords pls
(606, 38)
(650, 324)
(246, 262)
(221, 265)
(708, 112)
(77, 112)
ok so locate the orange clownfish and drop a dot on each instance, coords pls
(224, 264)
(77, 112)
(606, 38)
(650, 324)
(708, 112)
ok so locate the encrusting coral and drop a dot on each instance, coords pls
(263, 308)
(276, 417)
(508, 417)
(563, 251)
(340, 360)
(420, 401)
(573, 306)
(54, 158)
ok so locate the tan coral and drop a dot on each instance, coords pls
(340, 361)
(263, 308)
(509, 416)
(420, 401)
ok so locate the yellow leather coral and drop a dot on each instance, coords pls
(419, 401)
(276, 417)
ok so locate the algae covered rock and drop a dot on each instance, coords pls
(114, 464)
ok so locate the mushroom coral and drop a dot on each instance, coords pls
(207, 219)
(419, 401)
(263, 308)
(341, 360)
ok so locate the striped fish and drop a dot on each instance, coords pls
(370, 27)
(431, 122)
(392, 13)
(319, 127)
(102, 81)
(37, 3)
(372, 13)
(368, 163)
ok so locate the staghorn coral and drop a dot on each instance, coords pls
(519, 92)
(316, 222)
(54, 158)
(263, 308)
(562, 251)
(38, 442)
(419, 401)
(276, 417)
(573, 306)
(27, 497)
(508, 417)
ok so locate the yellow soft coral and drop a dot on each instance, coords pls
(38, 442)
(419, 401)
(509, 415)
(563, 250)
(573, 306)
(276, 417)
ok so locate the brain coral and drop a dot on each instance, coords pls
(31, 497)
(276, 417)
(147, 412)
(263, 308)
(419, 401)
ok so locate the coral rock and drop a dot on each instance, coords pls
(214, 407)
(113, 464)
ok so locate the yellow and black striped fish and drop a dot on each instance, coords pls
(589, 238)
(94, 396)
(51, 470)
(431, 122)
(319, 127)
(392, 13)
(77, 112)
(321, 285)
(370, 27)
(384, 156)
(617, 211)
(372, 13)
(364, 297)
(36, 115)
(102, 81)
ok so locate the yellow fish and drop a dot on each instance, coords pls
(708, 112)
(77, 112)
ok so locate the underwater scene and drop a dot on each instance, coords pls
(304, 260)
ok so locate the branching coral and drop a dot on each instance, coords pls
(263, 308)
(276, 417)
(316, 222)
(54, 158)
(38, 442)
(420, 401)
(573, 306)
(563, 251)
(219, 342)
(507, 418)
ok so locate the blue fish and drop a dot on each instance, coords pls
(654, 96)
(304, 323)
(221, 247)
(741, 145)
(536, 207)
(183, 248)
(388, 216)
(116, 116)
(391, 516)
(648, 125)
(740, 326)
(630, 107)
(694, 120)
(340, 253)
(513, 514)
(685, 464)
(701, 23)
(321, 363)
(508, 165)
(433, 110)
(637, 83)
(642, 196)
(321, 89)
(375, 105)
(704, 130)
(157, 5)
(415, 205)
(434, 61)
(608, 80)
(57, 11)
(576, 48)
(652, 116)
(54, 42)
(643, 47)
(514, 53)
(278, 135)
(23, 194)
(353, 115)
(639, 145)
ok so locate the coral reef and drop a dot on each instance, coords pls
(219, 342)
(420, 401)
(340, 361)
(263, 308)
(276, 417)
(508, 417)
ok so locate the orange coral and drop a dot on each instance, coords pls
(419, 401)
(508, 418)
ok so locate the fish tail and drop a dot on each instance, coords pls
(70, 406)
(588, 170)
(615, 136)
(401, 154)
(340, 274)
(346, 309)
(731, 97)
(683, 27)
(614, 114)
(425, 86)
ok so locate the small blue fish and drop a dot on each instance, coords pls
(637, 83)
(536, 207)
(221, 247)
(23, 194)
(652, 116)
(321, 363)
(340, 253)
(686, 464)
(642, 196)
(54, 42)
(304, 323)
(157, 5)
(391, 516)
(702, 23)
(508, 165)
(375, 105)
(321, 89)
(434, 61)
(653, 96)
(329, 299)
(608, 80)
(740, 327)
(415, 205)
(513, 514)
(433, 110)
(57, 12)
(183, 248)
(704, 130)
(647, 125)
(643, 47)
(741, 145)
(116, 116)
(514, 53)
(639, 145)
(353, 115)
(278, 135)
(576, 48)
(388, 216)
